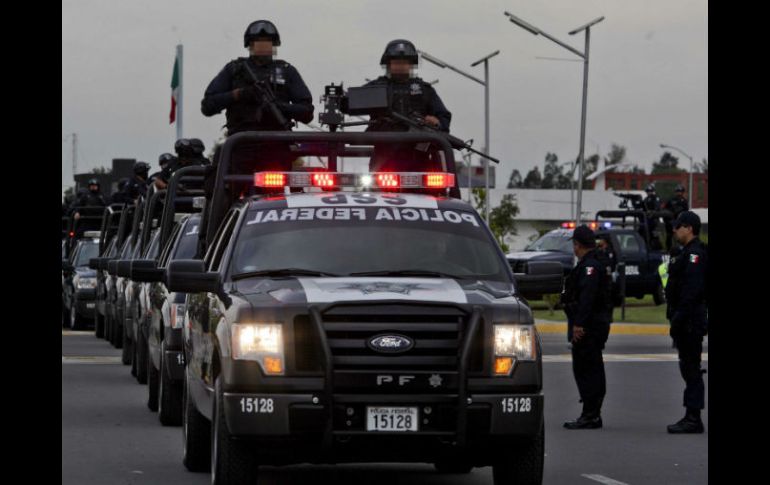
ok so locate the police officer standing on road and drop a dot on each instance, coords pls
(586, 300)
(409, 96)
(651, 205)
(234, 90)
(676, 205)
(686, 294)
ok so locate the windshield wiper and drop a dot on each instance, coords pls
(409, 272)
(281, 272)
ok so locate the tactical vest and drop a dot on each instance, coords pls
(408, 98)
(242, 115)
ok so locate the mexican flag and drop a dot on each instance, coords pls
(174, 90)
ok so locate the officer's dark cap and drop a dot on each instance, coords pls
(399, 49)
(679, 188)
(688, 218)
(585, 236)
(93, 182)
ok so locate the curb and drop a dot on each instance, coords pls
(544, 326)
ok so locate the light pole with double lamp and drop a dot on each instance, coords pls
(485, 83)
(584, 55)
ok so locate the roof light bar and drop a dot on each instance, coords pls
(382, 180)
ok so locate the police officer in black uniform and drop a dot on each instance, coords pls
(686, 294)
(409, 96)
(233, 90)
(586, 301)
(676, 205)
(137, 185)
(651, 205)
(164, 160)
(92, 197)
(119, 196)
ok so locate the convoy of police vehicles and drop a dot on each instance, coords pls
(322, 316)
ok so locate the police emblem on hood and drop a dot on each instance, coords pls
(381, 287)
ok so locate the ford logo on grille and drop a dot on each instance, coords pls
(390, 344)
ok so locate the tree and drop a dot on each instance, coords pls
(616, 155)
(479, 199)
(702, 167)
(514, 182)
(667, 164)
(551, 172)
(533, 180)
(502, 219)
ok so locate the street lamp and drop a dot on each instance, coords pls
(689, 190)
(584, 55)
(485, 83)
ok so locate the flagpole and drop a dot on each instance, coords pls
(180, 97)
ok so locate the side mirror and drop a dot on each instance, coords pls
(190, 276)
(146, 271)
(112, 267)
(124, 268)
(541, 278)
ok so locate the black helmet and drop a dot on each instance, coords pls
(141, 168)
(261, 28)
(165, 159)
(122, 184)
(399, 49)
(189, 147)
(94, 182)
(650, 188)
(679, 188)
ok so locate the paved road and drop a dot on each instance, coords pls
(109, 435)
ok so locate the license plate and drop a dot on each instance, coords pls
(393, 419)
(90, 305)
(632, 270)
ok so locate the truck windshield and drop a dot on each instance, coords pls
(368, 240)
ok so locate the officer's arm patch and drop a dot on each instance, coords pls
(589, 270)
(694, 258)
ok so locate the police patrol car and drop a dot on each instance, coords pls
(364, 325)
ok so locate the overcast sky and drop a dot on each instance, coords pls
(648, 80)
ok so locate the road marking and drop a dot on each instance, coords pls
(603, 479)
(89, 359)
(67, 333)
(624, 358)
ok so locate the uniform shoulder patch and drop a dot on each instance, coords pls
(694, 258)
(590, 270)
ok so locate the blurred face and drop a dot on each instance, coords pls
(263, 46)
(400, 67)
(683, 234)
(93, 188)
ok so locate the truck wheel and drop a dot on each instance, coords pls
(524, 465)
(453, 467)
(232, 461)
(127, 357)
(170, 396)
(141, 358)
(107, 328)
(98, 324)
(152, 385)
(196, 433)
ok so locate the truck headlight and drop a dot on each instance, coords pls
(85, 283)
(260, 342)
(513, 342)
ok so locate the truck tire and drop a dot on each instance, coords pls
(170, 395)
(524, 465)
(98, 324)
(196, 435)
(127, 356)
(232, 461)
(141, 358)
(152, 385)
